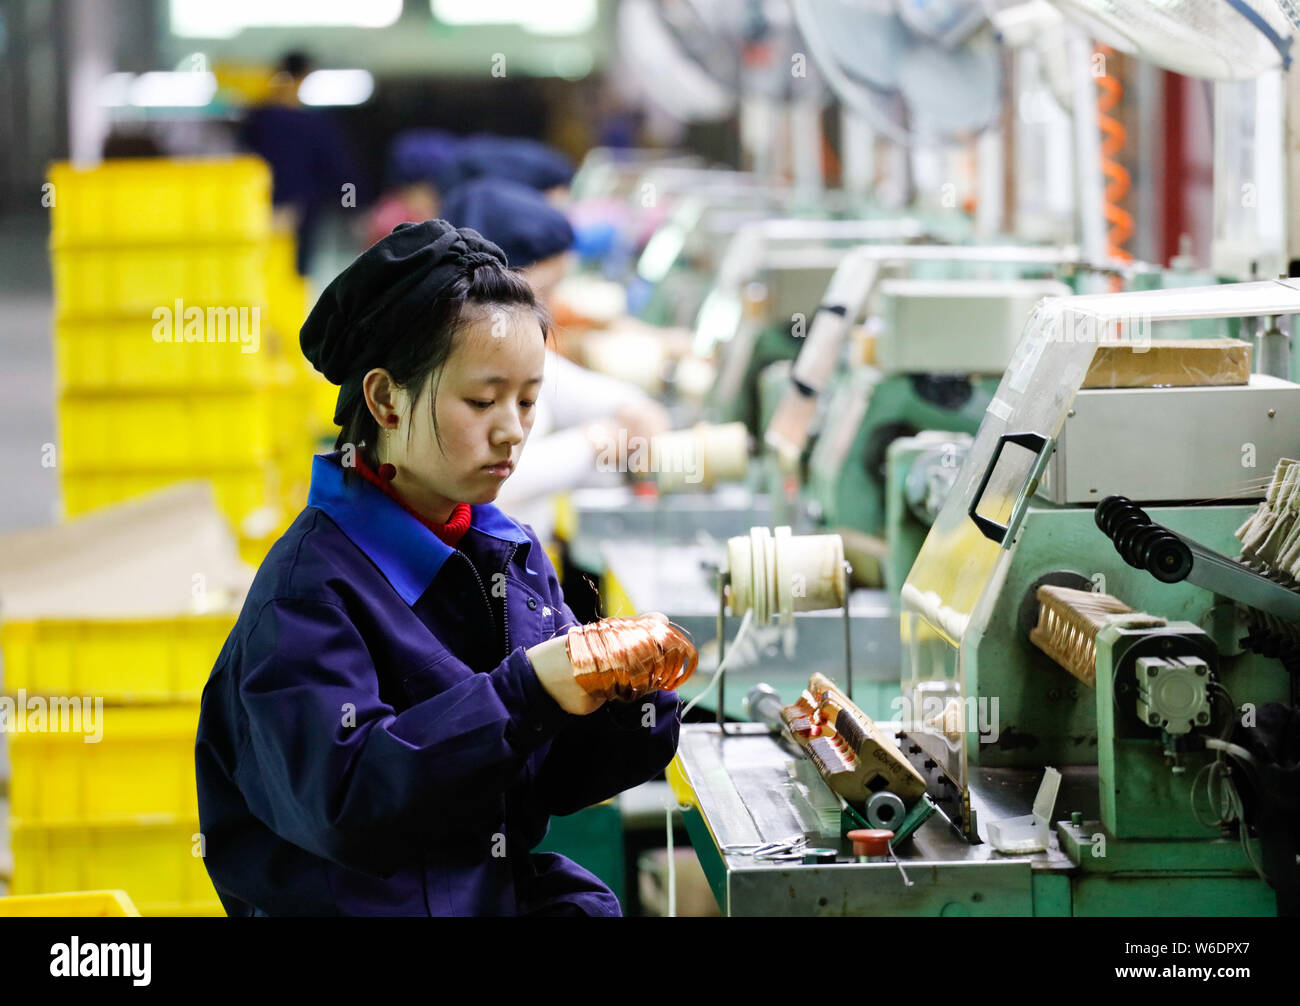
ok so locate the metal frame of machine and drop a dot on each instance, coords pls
(1128, 751)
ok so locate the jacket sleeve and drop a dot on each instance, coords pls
(619, 746)
(331, 767)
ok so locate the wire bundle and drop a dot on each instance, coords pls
(1068, 623)
(1271, 535)
(625, 658)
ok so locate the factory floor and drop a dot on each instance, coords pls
(26, 409)
(26, 374)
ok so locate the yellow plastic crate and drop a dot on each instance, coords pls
(157, 201)
(324, 396)
(243, 84)
(295, 482)
(291, 410)
(178, 432)
(614, 599)
(566, 517)
(153, 859)
(122, 355)
(143, 764)
(287, 291)
(74, 904)
(124, 660)
(97, 283)
(240, 492)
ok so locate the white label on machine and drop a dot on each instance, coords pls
(1000, 409)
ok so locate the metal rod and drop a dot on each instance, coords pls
(723, 579)
(848, 625)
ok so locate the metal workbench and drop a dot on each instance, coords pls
(739, 788)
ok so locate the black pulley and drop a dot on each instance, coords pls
(1126, 542)
(1121, 524)
(1170, 560)
(1114, 511)
(1105, 510)
(1148, 546)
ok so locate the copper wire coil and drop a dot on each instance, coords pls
(1118, 180)
(625, 658)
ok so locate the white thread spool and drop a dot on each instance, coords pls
(739, 563)
(777, 575)
(703, 455)
(725, 450)
(635, 357)
(760, 574)
(812, 569)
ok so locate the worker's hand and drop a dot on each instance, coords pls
(602, 435)
(626, 658)
(551, 664)
(644, 418)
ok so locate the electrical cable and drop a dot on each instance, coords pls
(745, 624)
(1232, 709)
(672, 865)
(1231, 808)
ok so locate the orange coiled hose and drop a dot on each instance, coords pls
(625, 658)
(1118, 182)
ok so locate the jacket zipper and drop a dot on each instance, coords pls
(505, 607)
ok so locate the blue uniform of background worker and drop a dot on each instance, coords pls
(512, 158)
(307, 152)
(392, 720)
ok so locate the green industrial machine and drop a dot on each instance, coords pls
(1081, 672)
(919, 473)
(770, 282)
(1024, 516)
(847, 477)
(940, 345)
(721, 218)
(930, 358)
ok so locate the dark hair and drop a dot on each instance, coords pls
(422, 351)
(297, 64)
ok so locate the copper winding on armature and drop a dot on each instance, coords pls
(1068, 623)
(625, 658)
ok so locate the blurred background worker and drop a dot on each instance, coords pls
(426, 164)
(307, 151)
(527, 162)
(579, 412)
(421, 168)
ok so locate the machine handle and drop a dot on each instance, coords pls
(992, 529)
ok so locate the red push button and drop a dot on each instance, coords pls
(871, 841)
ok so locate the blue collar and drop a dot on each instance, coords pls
(406, 552)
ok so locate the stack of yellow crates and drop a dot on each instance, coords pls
(176, 318)
(177, 310)
(103, 795)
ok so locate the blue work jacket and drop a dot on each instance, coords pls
(373, 739)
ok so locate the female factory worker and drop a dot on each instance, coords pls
(398, 709)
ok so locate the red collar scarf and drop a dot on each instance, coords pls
(450, 533)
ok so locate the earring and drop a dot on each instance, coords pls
(387, 472)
